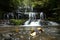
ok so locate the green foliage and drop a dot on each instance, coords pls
(9, 5)
(17, 22)
(39, 2)
(26, 2)
(46, 5)
(14, 4)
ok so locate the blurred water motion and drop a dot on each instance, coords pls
(22, 33)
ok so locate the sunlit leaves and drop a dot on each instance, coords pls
(26, 2)
(14, 2)
(39, 2)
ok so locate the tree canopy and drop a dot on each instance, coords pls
(47, 6)
(8, 5)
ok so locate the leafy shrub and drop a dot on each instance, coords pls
(17, 22)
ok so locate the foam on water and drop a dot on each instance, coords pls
(38, 22)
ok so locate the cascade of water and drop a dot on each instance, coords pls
(7, 16)
(32, 16)
(41, 16)
(12, 15)
(6, 21)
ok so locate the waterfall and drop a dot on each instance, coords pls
(32, 16)
(12, 15)
(41, 16)
(7, 16)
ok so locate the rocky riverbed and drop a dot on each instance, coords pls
(23, 33)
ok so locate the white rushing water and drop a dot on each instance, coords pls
(32, 21)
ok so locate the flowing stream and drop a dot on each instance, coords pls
(23, 33)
